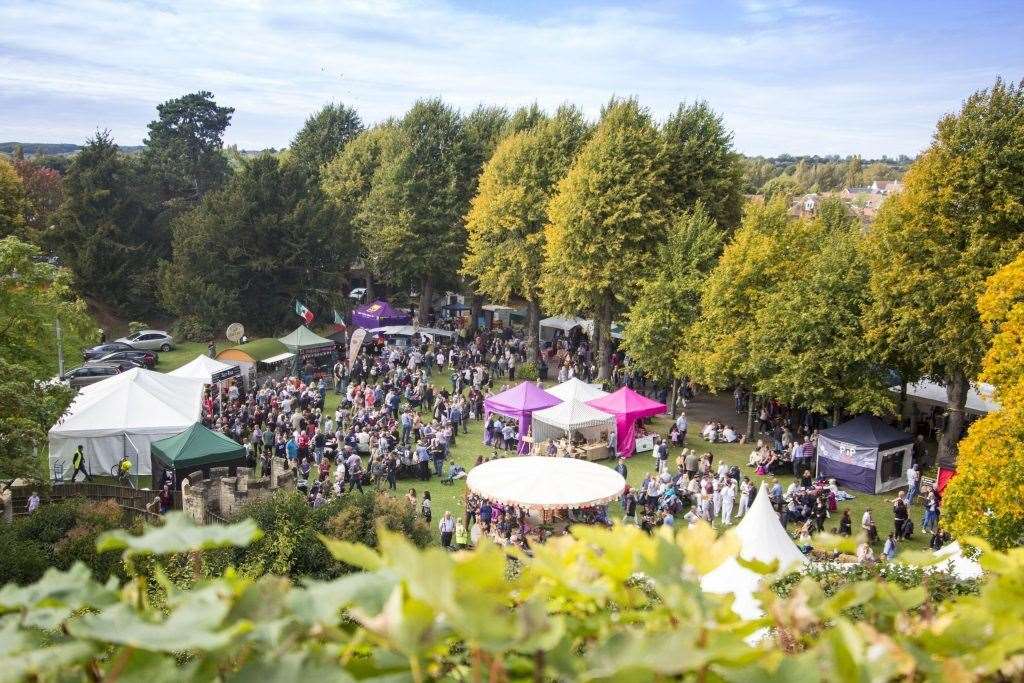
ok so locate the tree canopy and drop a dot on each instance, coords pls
(324, 136)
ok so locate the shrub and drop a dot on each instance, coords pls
(134, 327)
(193, 328)
(527, 371)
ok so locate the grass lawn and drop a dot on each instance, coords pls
(470, 446)
(183, 353)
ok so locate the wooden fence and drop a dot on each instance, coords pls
(131, 499)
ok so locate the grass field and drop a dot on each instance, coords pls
(470, 446)
(183, 352)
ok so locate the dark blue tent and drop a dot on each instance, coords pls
(865, 454)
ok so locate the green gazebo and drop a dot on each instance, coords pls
(196, 448)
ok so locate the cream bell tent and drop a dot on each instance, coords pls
(762, 538)
(576, 390)
(207, 369)
(122, 416)
(572, 416)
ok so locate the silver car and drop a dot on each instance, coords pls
(149, 340)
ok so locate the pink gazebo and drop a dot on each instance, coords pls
(519, 403)
(627, 406)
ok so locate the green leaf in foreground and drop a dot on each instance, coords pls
(179, 534)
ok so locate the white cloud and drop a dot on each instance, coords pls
(277, 62)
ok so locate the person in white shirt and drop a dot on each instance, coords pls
(728, 496)
(729, 434)
(745, 487)
(716, 498)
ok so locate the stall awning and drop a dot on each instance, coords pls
(287, 355)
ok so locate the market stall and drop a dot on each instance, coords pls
(207, 369)
(540, 483)
(549, 327)
(379, 314)
(250, 356)
(195, 449)
(314, 355)
(122, 416)
(585, 428)
(577, 390)
(865, 454)
(400, 335)
(628, 407)
(519, 403)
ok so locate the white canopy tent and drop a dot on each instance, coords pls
(925, 392)
(122, 416)
(206, 369)
(572, 416)
(548, 326)
(576, 390)
(410, 330)
(543, 483)
(762, 538)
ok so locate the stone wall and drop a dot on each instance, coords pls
(223, 495)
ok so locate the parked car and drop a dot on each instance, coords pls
(146, 359)
(122, 363)
(101, 350)
(357, 294)
(152, 340)
(89, 374)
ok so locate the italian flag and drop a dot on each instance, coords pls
(303, 312)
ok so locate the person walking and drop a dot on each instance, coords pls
(78, 464)
(446, 526)
(425, 508)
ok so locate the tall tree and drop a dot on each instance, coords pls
(13, 203)
(506, 222)
(669, 302)
(719, 345)
(183, 154)
(324, 136)
(983, 499)
(418, 200)
(248, 250)
(700, 165)
(43, 194)
(807, 336)
(524, 118)
(606, 214)
(347, 180)
(103, 228)
(959, 218)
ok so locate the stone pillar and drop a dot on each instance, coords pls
(193, 502)
(242, 480)
(275, 472)
(226, 497)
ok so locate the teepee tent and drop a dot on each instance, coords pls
(572, 416)
(122, 416)
(762, 538)
(207, 369)
(576, 389)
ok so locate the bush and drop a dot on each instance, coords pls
(134, 327)
(527, 371)
(193, 328)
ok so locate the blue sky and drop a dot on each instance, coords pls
(788, 76)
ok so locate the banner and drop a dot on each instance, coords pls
(354, 345)
(303, 312)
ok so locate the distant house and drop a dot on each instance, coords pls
(886, 186)
(807, 205)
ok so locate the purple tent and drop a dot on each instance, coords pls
(519, 403)
(379, 314)
(865, 454)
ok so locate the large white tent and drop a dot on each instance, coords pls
(122, 416)
(576, 389)
(572, 416)
(206, 369)
(548, 326)
(543, 483)
(762, 538)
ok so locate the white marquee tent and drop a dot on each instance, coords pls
(979, 396)
(762, 538)
(121, 416)
(548, 326)
(576, 389)
(206, 369)
(543, 483)
(572, 416)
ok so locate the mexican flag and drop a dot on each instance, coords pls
(303, 312)
(339, 322)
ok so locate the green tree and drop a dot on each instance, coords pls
(807, 334)
(700, 165)
(248, 250)
(524, 118)
(506, 222)
(669, 301)
(783, 187)
(853, 175)
(958, 219)
(414, 213)
(43, 195)
(324, 136)
(720, 345)
(13, 203)
(606, 214)
(103, 229)
(183, 154)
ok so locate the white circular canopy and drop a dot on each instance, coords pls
(545, 483)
